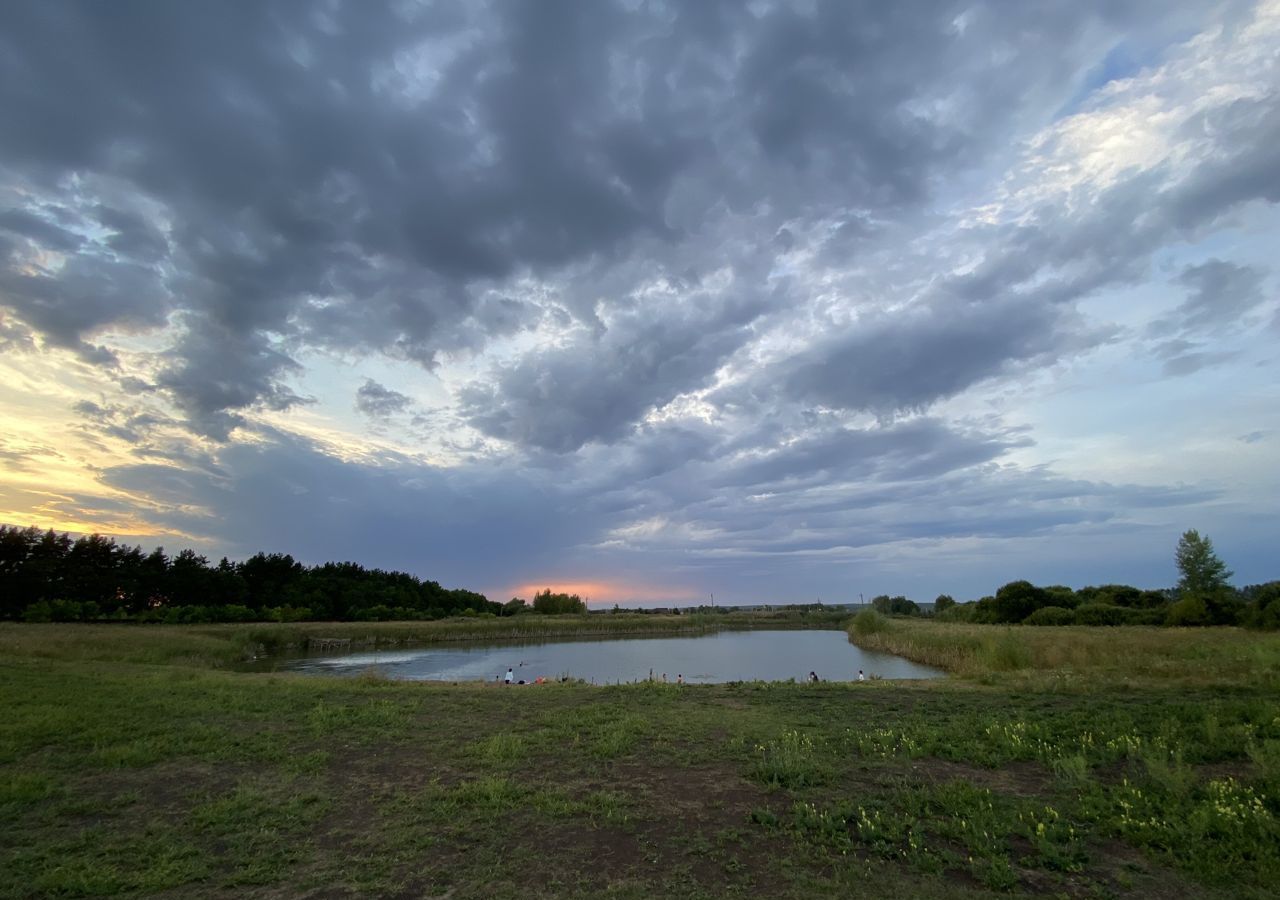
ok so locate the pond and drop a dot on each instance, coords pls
(700, 659)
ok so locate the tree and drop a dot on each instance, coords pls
(943, 603)
(1202, 571)
(550, 603)
(1204, 579)
(895, 606)
(1012, 603)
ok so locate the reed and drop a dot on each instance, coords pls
(1198, 655)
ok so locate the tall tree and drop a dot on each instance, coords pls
(1201, 569)
(1203, 585)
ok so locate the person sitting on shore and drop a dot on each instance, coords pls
(861, 677)
(813, 678)
(511, 675)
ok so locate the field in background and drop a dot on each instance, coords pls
(226, 645)
(1077, 763)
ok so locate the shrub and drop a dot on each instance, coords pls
(1101, 614)
(1051, 615)
(1189, 611)
(961, 613)
(40, 611)
(869, 622)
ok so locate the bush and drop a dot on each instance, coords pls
(287, 613)
(961, 613)
(869, 622)
(61, 611)
(1101, 614)
(1187, 612)
(1153, 616)
(1051, 615)
(40, 611)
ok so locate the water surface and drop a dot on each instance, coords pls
(706, 658)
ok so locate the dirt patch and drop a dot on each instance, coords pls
(1014, 779)
(1122, 869)
(1239, 769)
(713, 795)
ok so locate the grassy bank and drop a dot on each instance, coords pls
(144, 770)
(223, 645)
(1204, 656)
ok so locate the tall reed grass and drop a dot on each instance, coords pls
(1208, 655)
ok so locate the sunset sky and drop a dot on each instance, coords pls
(649, 301)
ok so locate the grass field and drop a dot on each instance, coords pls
(134, 762)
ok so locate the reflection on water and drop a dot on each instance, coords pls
(709, 658)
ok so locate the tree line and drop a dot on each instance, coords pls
(47, 576)
(1203, 596)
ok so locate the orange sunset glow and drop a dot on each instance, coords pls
(597, 592)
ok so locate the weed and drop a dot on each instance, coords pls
(790, 761)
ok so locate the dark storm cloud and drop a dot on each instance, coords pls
(909, 360)
(1016, 306)
(360, 176)
(926, 482)
(288, 167)
(923, 448)
(372, 513)
(132, 237)
(21, 223)
(380, 402)
(209, 373)
(86, 294)
(596, 389)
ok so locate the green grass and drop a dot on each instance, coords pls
(143, 766)
(206, 646)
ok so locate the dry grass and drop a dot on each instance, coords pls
(1186, 655)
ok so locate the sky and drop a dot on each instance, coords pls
(654, 302)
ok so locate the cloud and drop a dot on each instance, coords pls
(24, 224)
(209, 373)
(380, 402)
(598, 387)
(1219, 294)
(746, 290)
(909, 360)
(361, 179)
(483, 520)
